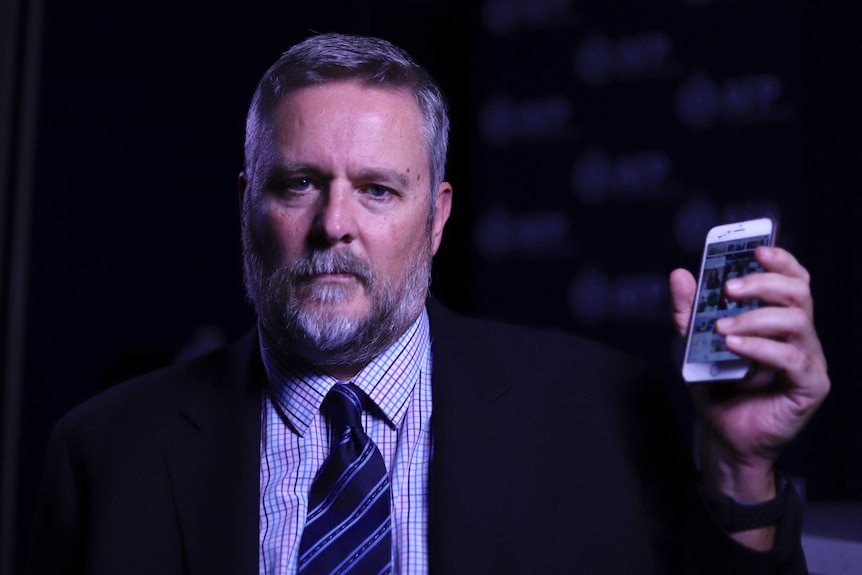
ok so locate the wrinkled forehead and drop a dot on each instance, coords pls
(341, 106)
(344, 102)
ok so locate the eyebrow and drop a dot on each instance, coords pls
(398, 179)
(290, 169)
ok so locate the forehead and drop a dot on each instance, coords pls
(342, 106)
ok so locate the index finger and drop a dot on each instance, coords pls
(779, 260)
(785, 281)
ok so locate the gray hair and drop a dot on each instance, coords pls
(332, 57)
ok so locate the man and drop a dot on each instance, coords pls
(505, 450)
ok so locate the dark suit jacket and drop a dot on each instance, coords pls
(551, 455)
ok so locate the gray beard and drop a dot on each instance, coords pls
(300, 316)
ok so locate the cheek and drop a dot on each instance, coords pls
(401, 244)
(278, 234)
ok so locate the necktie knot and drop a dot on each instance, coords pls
(344, 404)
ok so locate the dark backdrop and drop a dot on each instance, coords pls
(593, 145)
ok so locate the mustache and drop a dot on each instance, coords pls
(329, 262)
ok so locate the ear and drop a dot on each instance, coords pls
(443, 206)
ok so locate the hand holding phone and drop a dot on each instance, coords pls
(744, 427)
(728, 253)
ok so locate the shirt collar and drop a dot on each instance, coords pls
(298, 388)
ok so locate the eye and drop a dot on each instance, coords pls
(378, 192)
(288, 185)
(298, 185)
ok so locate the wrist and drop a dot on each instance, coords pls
(744, 479)
(734, 516)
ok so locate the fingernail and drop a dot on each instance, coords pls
(723, 323)
(732, 339)
(733, 284)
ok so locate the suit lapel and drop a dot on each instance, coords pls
(469, 479)
(213, 463)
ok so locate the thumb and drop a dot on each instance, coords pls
(682, 290)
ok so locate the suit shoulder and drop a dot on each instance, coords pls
(531, 347)
(150, 396)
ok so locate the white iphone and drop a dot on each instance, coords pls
(728, 253)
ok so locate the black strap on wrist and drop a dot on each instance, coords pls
(734, 516)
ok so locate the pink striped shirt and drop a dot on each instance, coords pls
(294, 444)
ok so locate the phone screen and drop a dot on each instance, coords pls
(724, 260)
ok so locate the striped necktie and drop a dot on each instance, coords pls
(349, 524)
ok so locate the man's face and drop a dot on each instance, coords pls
(337, 233)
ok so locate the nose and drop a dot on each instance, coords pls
(335, 217)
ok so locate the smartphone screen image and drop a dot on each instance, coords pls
(728, 253)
